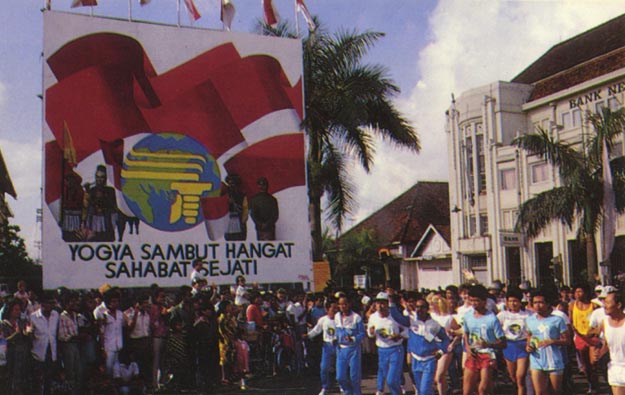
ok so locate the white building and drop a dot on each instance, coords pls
(490, 178)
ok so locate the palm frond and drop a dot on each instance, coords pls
(561, 155)
(558, 204)
(337, 185)
(606, 124)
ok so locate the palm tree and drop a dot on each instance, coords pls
(580, 196)
(348, 102)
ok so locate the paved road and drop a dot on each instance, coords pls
(310, 385)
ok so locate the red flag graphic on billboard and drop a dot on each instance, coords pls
(270, 13)
(192, 9)
(84, 3)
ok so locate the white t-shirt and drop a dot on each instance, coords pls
(326, 325)
(384, 328)
(297, 311)
(513, 324)
(443, 320)
(562, 315)
(239, 296)
(596, 317)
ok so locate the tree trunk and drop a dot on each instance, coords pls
(315, 225)
(591, 259)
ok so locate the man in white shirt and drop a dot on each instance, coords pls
(326, 326)
(111, 321)
(240, 292)
(137, 319)
(44, 326)
(389, 336)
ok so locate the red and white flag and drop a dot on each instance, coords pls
(271, 15)
(227, 13)
(84, 3)
(300, 6)
(144, 2)
(193, 12)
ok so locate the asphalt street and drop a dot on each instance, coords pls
(309, 384)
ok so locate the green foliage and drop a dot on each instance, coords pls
(357, 250)
(580, 196)
(348, 102)
(13, 256)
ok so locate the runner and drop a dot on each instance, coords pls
(546, 332)
(614, 333)
(350, 332)
(427, 342)
(389, 336)
(513, 323)
(482, 336)
(586, 346)
(326, 326)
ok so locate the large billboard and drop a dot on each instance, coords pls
(165, 145)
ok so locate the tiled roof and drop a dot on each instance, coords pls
(576, 75)
(584, 47)
(406, 218)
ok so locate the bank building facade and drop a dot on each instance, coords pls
(489, 178)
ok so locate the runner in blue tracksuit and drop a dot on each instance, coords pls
(326, 326)
(389, 338)
(350, 332)
(427, 342)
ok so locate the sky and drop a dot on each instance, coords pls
(431, 49)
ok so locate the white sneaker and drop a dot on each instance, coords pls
(243, 386)
(403, 390)
(323, 392)
(379, 393)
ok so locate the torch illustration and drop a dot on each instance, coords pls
(182, 170)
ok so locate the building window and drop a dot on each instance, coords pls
(481, 163)
(472, 226)
(567, 122)
(483, 224)
(613, 104)
(477, 262)
(509, 219)
(469, 167)
(539, 172)
(508, 179)
(576, 116)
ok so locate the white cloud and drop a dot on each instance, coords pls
(473, 43)
(23, 161)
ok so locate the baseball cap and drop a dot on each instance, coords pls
(598, 288)
(608, 289)
(382, 296)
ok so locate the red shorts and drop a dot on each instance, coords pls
(480, 361)
(583, 342)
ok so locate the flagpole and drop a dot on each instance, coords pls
(178, 10)
(296, 19)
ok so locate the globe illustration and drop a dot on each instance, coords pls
(164, 178)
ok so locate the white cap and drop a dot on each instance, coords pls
(598, 288)
(608, 289)
(382, 296)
